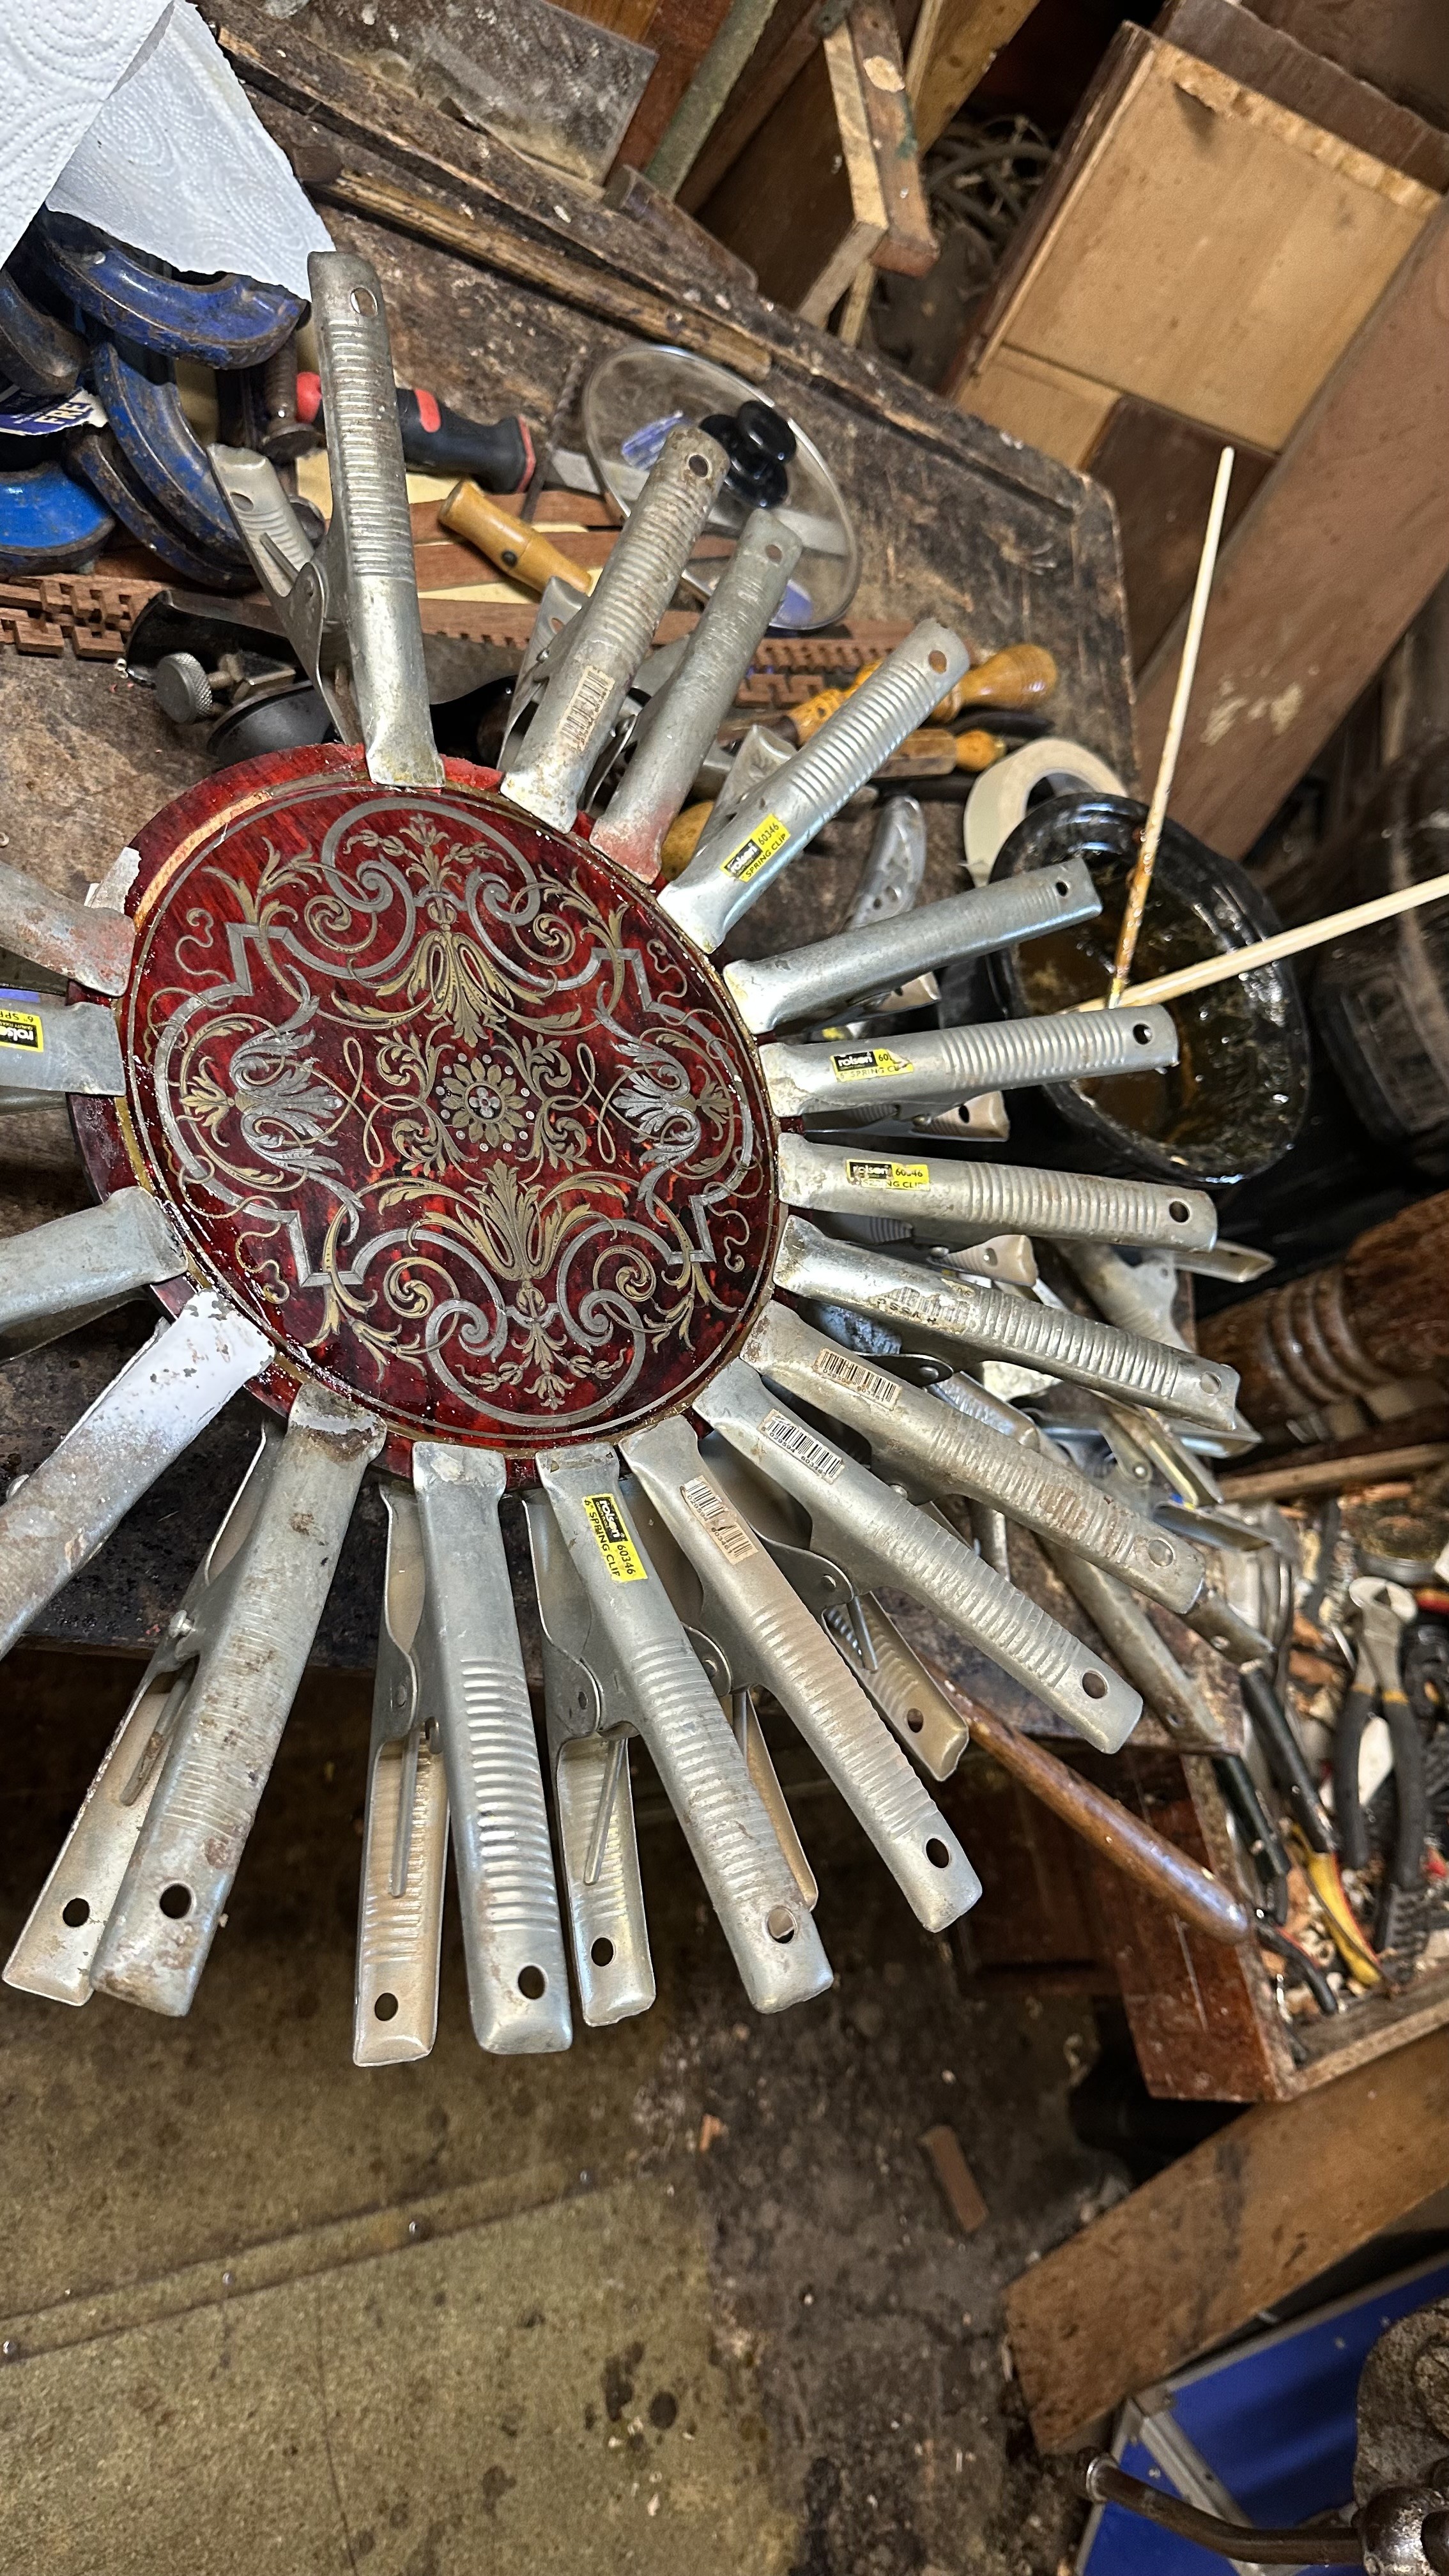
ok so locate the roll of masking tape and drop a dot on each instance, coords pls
(999, 799)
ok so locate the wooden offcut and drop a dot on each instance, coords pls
(1340, 549)
(1044, 405)
(1159, 470)
(1402, 46)
(1267, 58)
(908, 244)
(959, 2187)
(968, 39)
(1255, 243)
(1250, 2216)
(803, 205)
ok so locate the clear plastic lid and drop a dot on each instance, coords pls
(630, 404)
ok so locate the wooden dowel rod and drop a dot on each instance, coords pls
(1284, 943)
(1146, 859)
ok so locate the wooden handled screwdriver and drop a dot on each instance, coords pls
(508, 541)
(1019, 677)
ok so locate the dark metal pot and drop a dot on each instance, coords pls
(1236, 1099)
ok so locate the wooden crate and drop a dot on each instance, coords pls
(1204, 2019)
(1284, 229)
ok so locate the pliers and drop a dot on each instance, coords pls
(1384, 1610)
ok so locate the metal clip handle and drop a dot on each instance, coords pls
(151, 1411)
(991, 1198)
(65, 1046)
(776, 1946)
(267, 524)
(87, 941)
(475, 1684)
(180, 1874)
(405, 1826)
(940, 1450)
(882, 1539)
(800, 1665)
(809, 983)
(936, 1309)
(733, 864)
(684, 718)
(368, 551)
(77, 1267)
(896, 867)
(930, 1065)
(55, 1950)
(1142, 1654)
(1137, 1300)
(901, 1688)
(601, 649)
(593, 1796)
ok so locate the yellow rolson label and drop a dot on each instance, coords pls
(887, 1176)
(21, 1029)
(750, 856)
(857, 1064)
(616, 1547)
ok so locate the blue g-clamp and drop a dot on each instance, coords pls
(223, 321)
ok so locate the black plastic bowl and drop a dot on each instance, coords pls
(1235, 1100)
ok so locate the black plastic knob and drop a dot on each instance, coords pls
(759, 443)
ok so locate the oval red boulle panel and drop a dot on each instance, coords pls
(444, 1102)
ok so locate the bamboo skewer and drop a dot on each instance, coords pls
(1284, 943)
(1187, 672)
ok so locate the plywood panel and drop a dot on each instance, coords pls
(1237, 40)
(802, 206)
(1265, 2205)
(1044, 405)
(1340, 549)
(1254, 243)
(968, 39)
(1160, 471)
(1402, 46)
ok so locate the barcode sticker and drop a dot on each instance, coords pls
(616, 1547)
(862, 1064)
(587, 699)
(724, 1526)
(748, 857)
(802, 1444)
(842, 1370)
(881, 1175)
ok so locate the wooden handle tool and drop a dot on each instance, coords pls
(517, 549)
(1020, 676)
(934, 752)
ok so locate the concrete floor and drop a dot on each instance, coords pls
(261, 2312)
